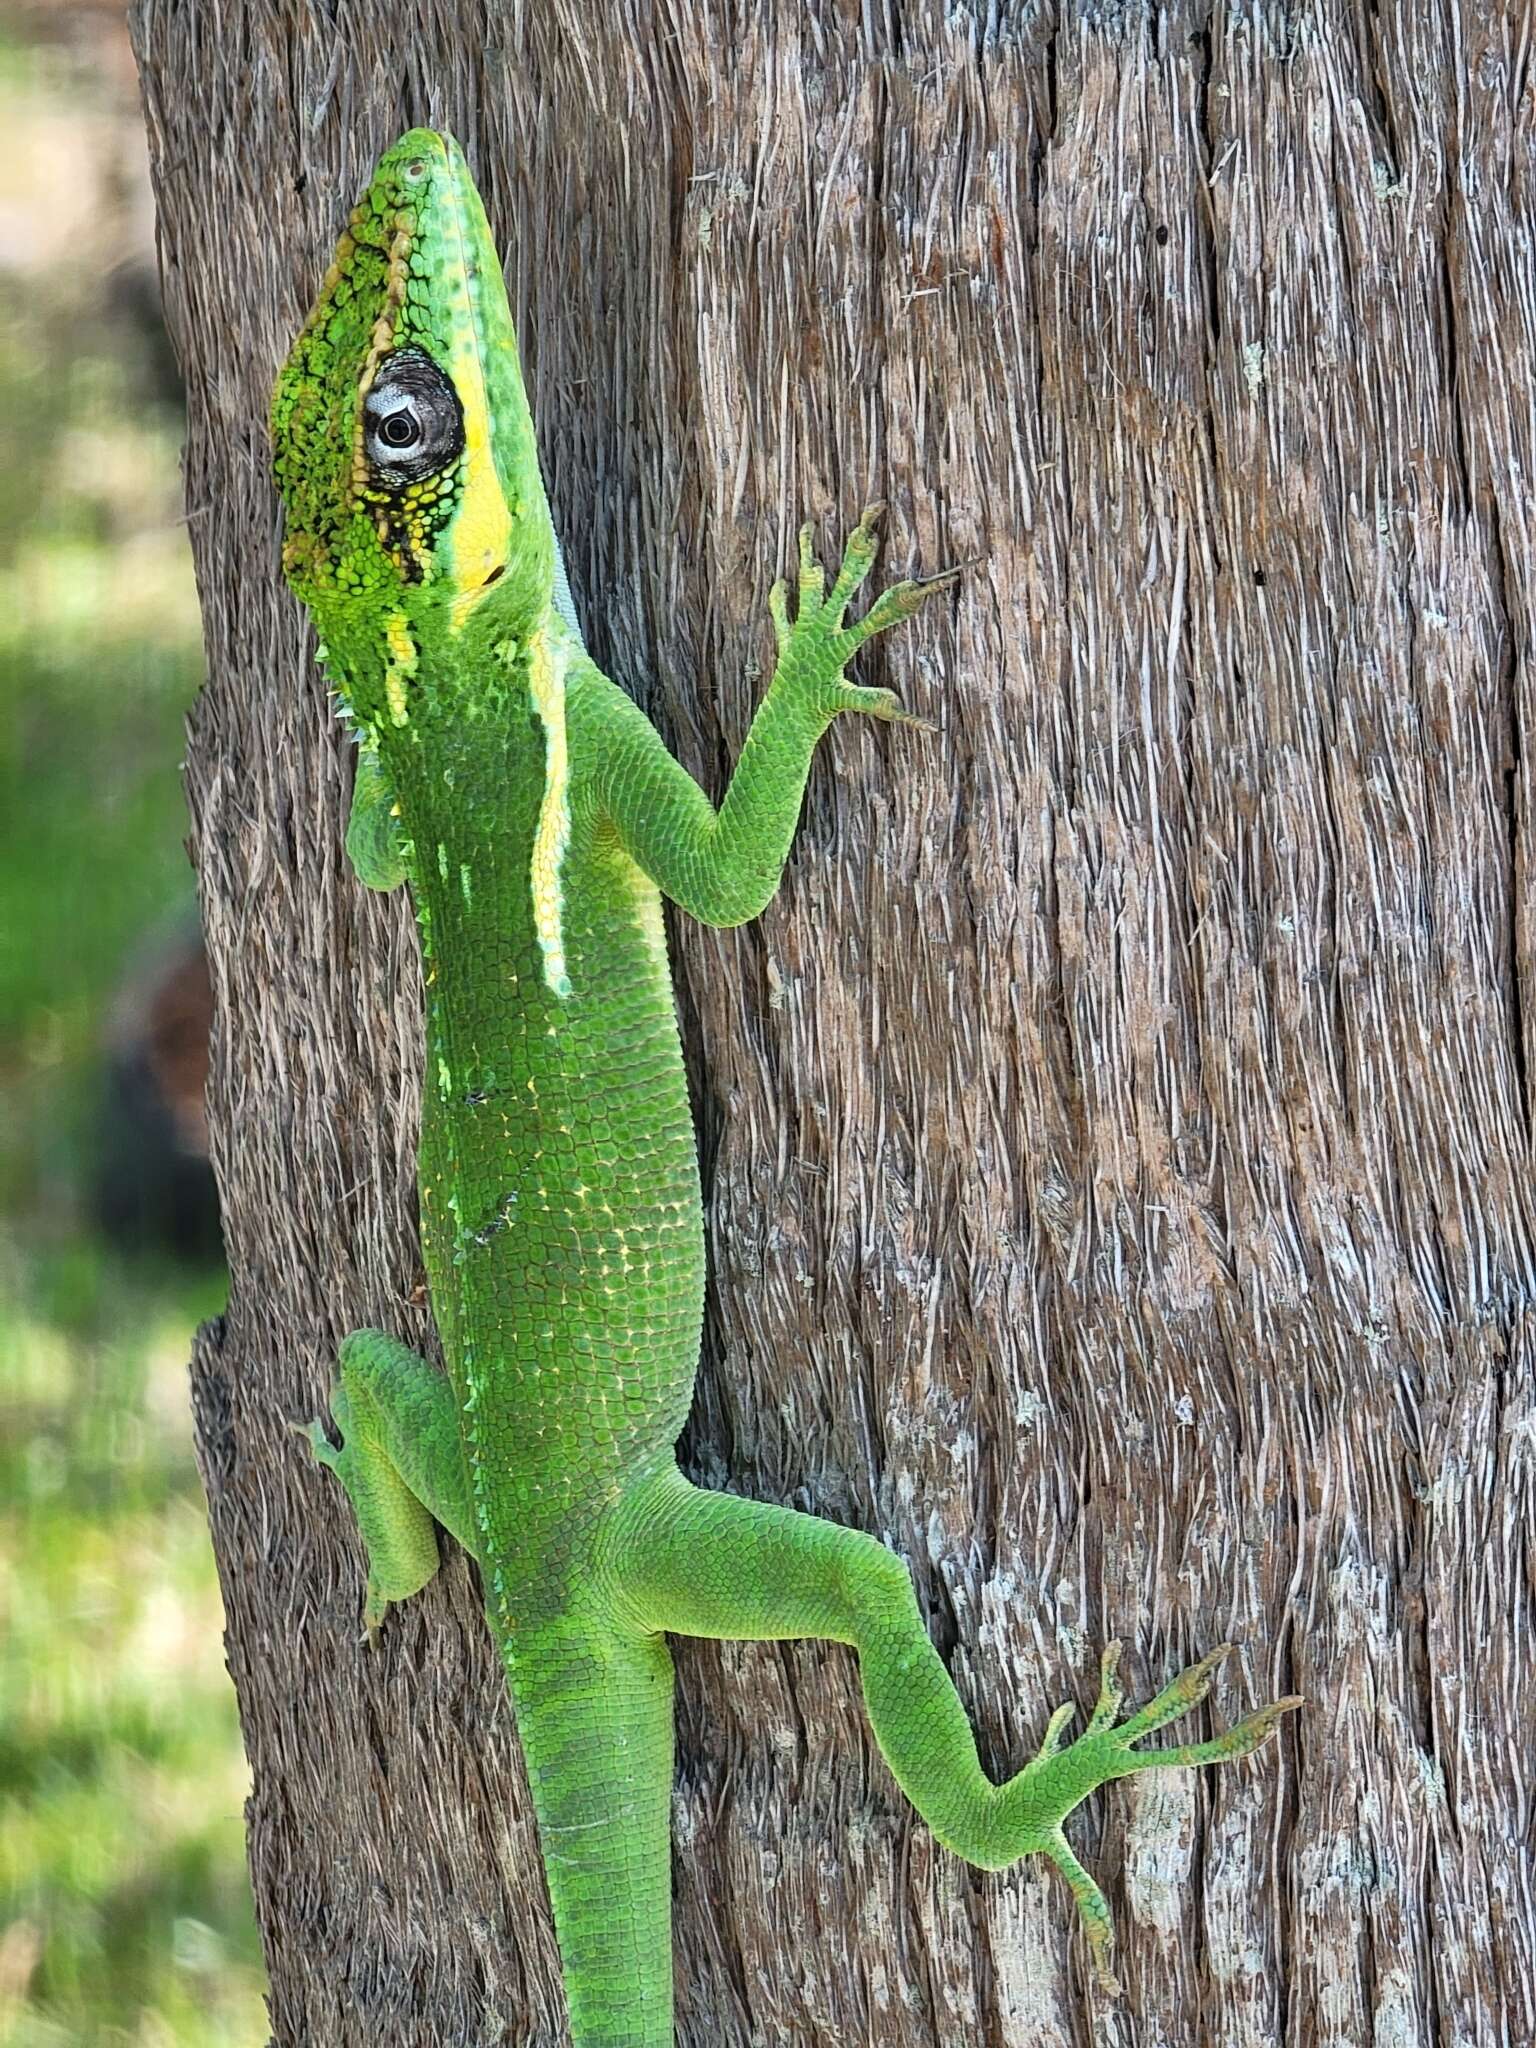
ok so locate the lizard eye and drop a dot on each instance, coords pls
(413, 424)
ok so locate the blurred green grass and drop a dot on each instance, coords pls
(124, 1904)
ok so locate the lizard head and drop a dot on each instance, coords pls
(403, 444)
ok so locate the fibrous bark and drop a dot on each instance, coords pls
(1118, 1133)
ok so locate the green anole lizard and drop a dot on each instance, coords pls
(539, 821)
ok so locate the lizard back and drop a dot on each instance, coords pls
(560, 1202)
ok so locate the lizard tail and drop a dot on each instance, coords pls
(594, 1716)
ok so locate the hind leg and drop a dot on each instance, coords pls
(710, 1564)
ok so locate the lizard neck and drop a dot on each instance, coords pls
(475, 751)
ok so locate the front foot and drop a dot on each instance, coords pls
(1039, 1799)
(398, 1533)
(816, 648)
(376, 1601)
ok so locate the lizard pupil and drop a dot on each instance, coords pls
(399, 430)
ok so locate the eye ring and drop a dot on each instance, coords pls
(413, 422)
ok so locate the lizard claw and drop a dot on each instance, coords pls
(313, 1433)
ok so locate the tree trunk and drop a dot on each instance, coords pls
(1117, 1134)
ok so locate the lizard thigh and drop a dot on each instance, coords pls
(711, 1564)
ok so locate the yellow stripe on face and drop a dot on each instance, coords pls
(546, 685)
(482, 526)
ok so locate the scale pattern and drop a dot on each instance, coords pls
(539, 821)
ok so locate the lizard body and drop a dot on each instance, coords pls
(538, 821)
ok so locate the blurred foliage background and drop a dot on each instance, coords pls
(124, 1905)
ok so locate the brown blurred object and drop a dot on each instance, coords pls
(154, 1187)
(103, 21)
(76, 217)
(94, 31)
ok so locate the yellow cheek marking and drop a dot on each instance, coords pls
(482, 530)
(399, 667)
(546, 684)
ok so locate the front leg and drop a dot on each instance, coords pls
(373, 825)
(724, 866)
(401, 1462)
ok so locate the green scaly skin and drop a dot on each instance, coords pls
(538, 821)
